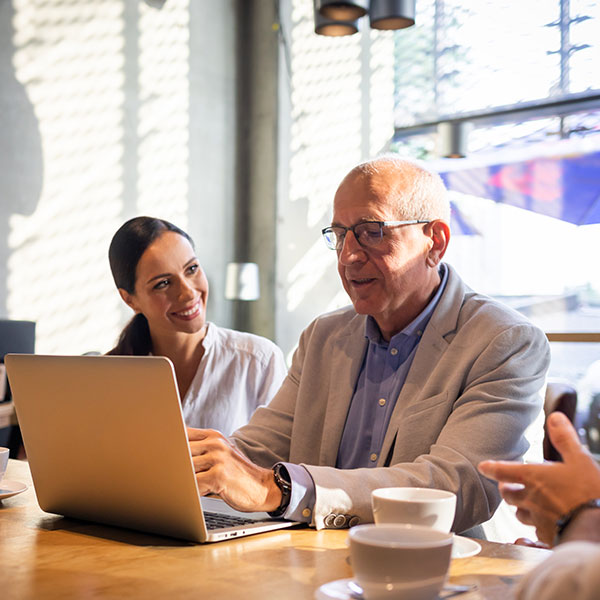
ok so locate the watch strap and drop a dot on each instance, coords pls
(563, 522)
(283, 482)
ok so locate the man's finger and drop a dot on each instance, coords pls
(513, 493)
(201, 464)
(204, 485)
(197, 435)
(524, 516)
(505, 471)
(563, 435)
(523, 541)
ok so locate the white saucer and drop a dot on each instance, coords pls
(10, 488)
(463, 547)
(334, 590)
(340, 590)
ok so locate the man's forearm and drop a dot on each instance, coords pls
(584, 527)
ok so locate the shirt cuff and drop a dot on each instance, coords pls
(302, 498)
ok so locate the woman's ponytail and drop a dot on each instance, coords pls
(134, 339)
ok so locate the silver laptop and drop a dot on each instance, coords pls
(106, 442)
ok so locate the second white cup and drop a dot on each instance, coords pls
(4, 452)
(417, 506)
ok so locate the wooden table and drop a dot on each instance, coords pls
(46, 556)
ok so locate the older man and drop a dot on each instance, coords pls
(413, 385)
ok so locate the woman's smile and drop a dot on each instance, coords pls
(189, 313)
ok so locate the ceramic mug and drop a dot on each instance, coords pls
(417, 506)
(400, 561)
(3, 461)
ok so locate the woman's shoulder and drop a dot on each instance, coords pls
(242, 341)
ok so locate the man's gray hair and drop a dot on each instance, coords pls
(420, 193)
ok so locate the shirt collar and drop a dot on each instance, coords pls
(417, 325)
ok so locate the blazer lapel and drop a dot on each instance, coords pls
(434, 343)
(346, 361)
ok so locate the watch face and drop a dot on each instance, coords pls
(282, 477)
(283, 484)
(286, 489)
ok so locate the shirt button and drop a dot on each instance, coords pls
(381, 401)
(394, 351)
(306, 512)
(373, 457)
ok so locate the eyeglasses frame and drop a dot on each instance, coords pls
(381, 224)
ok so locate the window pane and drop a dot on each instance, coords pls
(472, 57)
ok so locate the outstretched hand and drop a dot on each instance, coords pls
(543, 493)
(223, 470)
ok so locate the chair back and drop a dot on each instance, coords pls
(560, 396)
(16, 336)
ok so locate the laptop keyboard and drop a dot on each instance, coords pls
(219, 521)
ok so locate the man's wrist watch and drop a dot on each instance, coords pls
(566, 519)
(283, 482)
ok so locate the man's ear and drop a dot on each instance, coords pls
(439, 232)
(129, 299)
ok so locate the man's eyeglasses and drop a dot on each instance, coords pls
(368, 233)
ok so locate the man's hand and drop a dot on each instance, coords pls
(223, 470)
(544, 492)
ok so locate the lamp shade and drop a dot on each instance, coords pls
(241, 281)
(392, 14)
(453, 138)
(339, 10)
(333, 27)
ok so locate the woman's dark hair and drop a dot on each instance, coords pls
(126, 248)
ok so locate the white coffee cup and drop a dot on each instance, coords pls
(2, 381)
(400, 561)
(3, 461)
(417, 506)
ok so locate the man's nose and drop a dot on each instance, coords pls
(351, 251)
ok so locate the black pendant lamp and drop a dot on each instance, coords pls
(339, 10)
(337, 17)
(334, 27)
(391, 14)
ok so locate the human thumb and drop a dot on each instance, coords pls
(563, 435)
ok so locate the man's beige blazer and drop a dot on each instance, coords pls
(472, 390)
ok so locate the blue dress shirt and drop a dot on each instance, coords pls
(382, 375)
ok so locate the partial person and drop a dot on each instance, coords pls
(223, 375)
(562, 501)
(413, 385)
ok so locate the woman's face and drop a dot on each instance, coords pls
(170, 288)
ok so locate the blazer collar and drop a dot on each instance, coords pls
(444, 319)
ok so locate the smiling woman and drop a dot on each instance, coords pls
(170, 289)
(223, 375)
